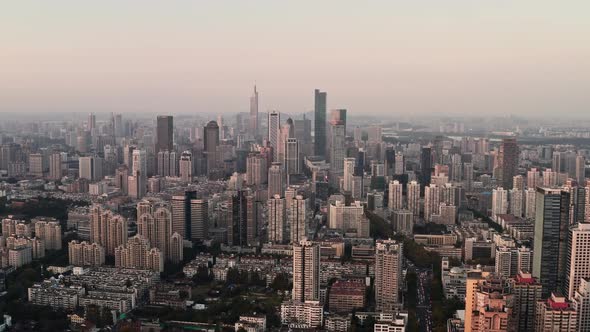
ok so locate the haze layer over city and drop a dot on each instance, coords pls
(295, 166)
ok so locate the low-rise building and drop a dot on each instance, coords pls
(55, 295)
(308, 314)
(347, 295)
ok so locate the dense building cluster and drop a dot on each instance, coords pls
(337, 221)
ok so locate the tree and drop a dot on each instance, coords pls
(203, 275)
(280, 282)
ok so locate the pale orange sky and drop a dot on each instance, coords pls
(379, 57)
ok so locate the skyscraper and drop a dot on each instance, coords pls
(388, 275)
(253, 213)
(298, 218)
(199, 219)
(181, 213)
(582, 305)
(550, 238)
(186, 167)
(107, 228)
(320, 123)
(275, 180)
(274, 130)
(425, 166)
(291, 156)
(337, 152)
(90, 168)
(556, 314)
(238, 224)
(499, 202)
(432, 199)
(395, 196)
(533, 178)
(578, 258)
(256, 170)
(580, 169)
(527, 291)
(349, 164)
(211, 142)
(507, 162)
(286, 131)
(167, 163)
(276, 219)
(414, 198)
(91, 125)
(155, 227)
(55, 167)
(253, 123)
(164, 133)
(306, 271)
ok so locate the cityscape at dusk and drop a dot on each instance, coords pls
(262, 165)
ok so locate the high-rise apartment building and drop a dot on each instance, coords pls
(306, 271)
(499, 202)
(581, 301)
(137, 254)
(414, 198)
(530, 203)
(533, 178)
(186, 167)
(578, 258)
(85, 253)
(297, 219)
(492, 305)
(292, 156)
(50, 233)
(348, 218)
(516, 201)
(581, 169)
(432, 199)
(277, 216)
(167, 163)
(55, 166)
(396, 201)
(388, 275)
(156, 228)
(256, 170)
(527, 292)
(556, 314)
(275, 180)
(107, 228)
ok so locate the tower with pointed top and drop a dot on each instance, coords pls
(253, 124)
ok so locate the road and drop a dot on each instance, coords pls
(424, 305)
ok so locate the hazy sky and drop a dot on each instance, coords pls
(386, 57)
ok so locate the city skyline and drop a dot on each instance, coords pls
(498, 58)
(295, 166)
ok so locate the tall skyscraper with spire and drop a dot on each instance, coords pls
(253, 124)
(320, 123)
